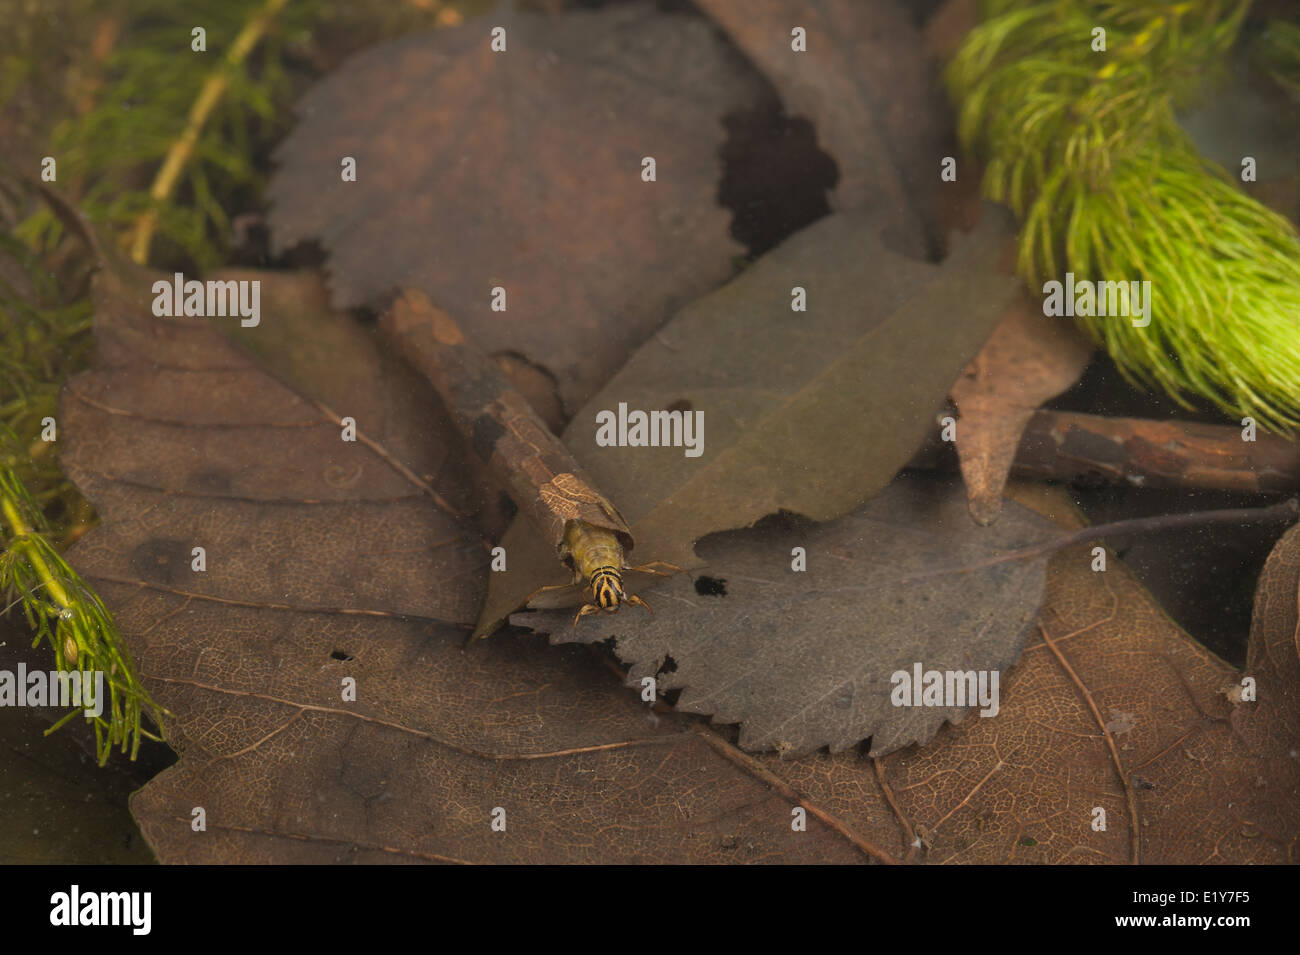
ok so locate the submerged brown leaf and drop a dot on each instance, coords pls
(867, 87)
(1030, 358)
(523, 170)
(171, 422)
(810, 412)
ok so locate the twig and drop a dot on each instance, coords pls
(533, 465)
(1137, 452)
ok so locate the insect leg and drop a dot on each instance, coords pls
(549, 588)
(587, 610)
(634, 599)
(646, 568)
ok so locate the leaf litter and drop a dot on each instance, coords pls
(439, 738)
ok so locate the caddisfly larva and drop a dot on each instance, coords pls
(596, 556)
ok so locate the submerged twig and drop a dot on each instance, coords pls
(538, 472)
(1139, 452)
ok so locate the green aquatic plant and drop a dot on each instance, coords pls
(1084, 145)
(190, 123)
(42, 341)
(69, 617)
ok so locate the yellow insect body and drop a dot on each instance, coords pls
(596, 555)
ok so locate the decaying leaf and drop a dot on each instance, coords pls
(863, 81)
(158, 443)
(250, 659)
(1028, 359)
(522, 171)
(804, 657)
(1270, 726)
(806, 411)
(1195, 779)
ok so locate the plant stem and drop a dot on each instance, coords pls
(21, 532)
(72, 619)
(182, 150)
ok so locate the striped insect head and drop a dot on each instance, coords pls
(607, 588)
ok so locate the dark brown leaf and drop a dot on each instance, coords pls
(1265, 777)
(868, 89)
(522, 170)
(293, 532)
(803, 660)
